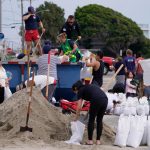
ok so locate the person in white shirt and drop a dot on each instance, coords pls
(130, 88)
(5, 92)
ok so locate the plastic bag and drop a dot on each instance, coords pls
(77, 129)
(136, 131)
(7, 93)
(122, 131)
(144, 138)
(140, 110)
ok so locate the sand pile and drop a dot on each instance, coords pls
(47, 121)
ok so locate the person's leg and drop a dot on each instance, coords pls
(28, 39)
(92, 114)
(36, 38)
(29, 44)
(99, 122)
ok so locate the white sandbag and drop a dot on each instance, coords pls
(121, 97)
(136, 131)
(140, 110)
(122, 131)
(146, 108)
(144, 138)
(133, 110)
(117, 110)
(111, 98)
(148, 131)
(77, 129)
(7, 93)
(126, 110)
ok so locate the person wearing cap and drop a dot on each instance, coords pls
(98, 105)
(71, 28)
(69, 48)
(32, 22)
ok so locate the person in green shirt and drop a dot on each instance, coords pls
(69, 47)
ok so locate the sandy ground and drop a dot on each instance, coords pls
(50, 127)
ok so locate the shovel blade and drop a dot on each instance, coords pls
(26, 128)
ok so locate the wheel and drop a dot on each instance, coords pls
(105, 70)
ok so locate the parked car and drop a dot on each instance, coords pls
(108, 62)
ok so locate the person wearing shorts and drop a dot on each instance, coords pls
(32, 21)
(98, 104)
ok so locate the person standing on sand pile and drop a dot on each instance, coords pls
(32, 21)
(71, 28)
(98, 104)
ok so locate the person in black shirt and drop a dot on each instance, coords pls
(32, 21)
(98, 104)
(98, 68)
(71, 28)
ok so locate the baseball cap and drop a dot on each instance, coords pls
(31, 9)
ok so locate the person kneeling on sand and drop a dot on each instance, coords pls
(98, 104)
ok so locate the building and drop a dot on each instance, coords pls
(146, 29)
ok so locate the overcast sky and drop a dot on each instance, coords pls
(137, 10)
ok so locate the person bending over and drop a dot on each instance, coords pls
(98, 104)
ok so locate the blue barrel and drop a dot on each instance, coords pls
(67, 75)
(19, 73)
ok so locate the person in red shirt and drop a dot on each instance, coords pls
(32, 21)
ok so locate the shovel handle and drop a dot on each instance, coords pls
(47, 82)
(39, 40)
(113, 77)
(30, 98)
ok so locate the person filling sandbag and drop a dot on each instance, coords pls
(98, 104)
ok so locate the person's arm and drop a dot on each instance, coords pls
(129, 84)
(26, 16)
(41, 25)
(92, 62)
(61, 53)
(74, 48)
(63, 29)
(124, 63)
(79, 105)
(78, 31)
